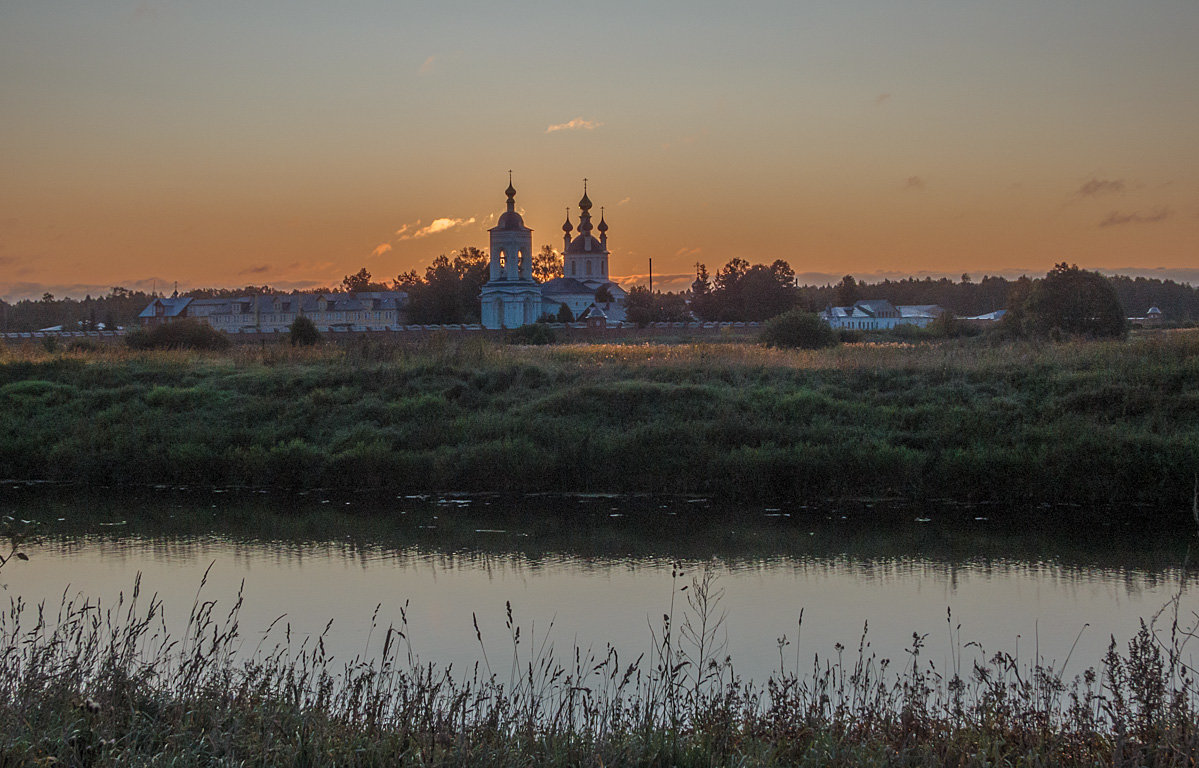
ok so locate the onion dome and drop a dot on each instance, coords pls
(603, 225)
(567, 227)
(510, 219)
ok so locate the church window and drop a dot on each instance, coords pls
(572, 269)
(589, 266)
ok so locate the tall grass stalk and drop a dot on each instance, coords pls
(108, 686)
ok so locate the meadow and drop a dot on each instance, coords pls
(1098, 424)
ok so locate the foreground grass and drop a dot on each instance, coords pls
(1092, 422)
(107, 687)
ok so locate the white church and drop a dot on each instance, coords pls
(512, 298)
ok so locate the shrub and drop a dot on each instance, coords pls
(537, 333)
(180, 334)
(911, 332)
(303, 332)
(798, 328)
(1072, 301)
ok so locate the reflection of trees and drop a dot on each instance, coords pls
(578, 533)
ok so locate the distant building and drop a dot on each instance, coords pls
(373, 310)
(164, 310)
(511, 297)
(1152, 317)
(880, 314)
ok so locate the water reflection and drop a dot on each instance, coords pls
(600, 579)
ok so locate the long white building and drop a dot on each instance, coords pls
(373, 310)
(879, 315)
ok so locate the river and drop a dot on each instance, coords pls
(589, 572)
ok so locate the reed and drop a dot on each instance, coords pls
(88, 685)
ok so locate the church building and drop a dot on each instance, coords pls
(512, 298)
(584, 270)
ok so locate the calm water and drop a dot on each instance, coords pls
(597, 571)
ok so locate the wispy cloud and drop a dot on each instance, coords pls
(668, 281)
(578, 124)
(625, 200)
(1096, 187)
(1115, 219)
(437, 226)
(381, 249)
(257, 269)
(688, 252)
(881, 99)
(915, 183)
(427, 66)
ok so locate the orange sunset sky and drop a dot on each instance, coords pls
(289, 143)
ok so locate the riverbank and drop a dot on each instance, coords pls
(1096, 423)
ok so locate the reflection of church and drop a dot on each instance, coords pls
(512, 298)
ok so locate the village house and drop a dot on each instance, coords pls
(880, 315)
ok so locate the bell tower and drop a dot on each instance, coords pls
(511, 297)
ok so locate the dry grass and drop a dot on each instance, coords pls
(94, 686)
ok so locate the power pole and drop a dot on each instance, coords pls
(651, 274)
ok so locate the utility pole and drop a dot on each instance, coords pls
(651, 274)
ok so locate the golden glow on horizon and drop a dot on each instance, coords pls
(296, 144)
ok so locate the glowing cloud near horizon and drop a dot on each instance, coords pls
(437, 226)
(578, 124)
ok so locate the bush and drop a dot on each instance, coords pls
(537, 333)
(303, 332)
(180, 334)
(911, 332)
(1072, 301)
(798, 328)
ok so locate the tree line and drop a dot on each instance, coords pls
(448, 292)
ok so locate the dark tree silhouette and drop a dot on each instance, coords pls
(1073, 301)
(449, 291)
(547, 264)
(303, 332)
(848, 292)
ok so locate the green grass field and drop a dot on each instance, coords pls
(1078, 422)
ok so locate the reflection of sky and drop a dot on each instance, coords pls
(1004, 605)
